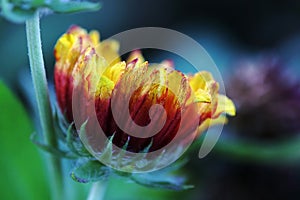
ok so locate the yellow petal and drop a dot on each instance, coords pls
(200, 80)
(136, 55)
(63, 46)
(109, 50)
(88, 69)
(114, 72)
(70, 45)
(77, 31)
(67, 51)
(222, 119)
(202, 96)
(225, 105)
(175, 81)
(95, 37)
(104, 88)
(169, 64)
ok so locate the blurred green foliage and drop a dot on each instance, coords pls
(22, 171)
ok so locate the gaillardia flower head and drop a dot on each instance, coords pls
(139, 107)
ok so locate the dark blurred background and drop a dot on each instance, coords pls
(230, 31)
(226, 28)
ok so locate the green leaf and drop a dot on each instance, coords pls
(163, 178)
(160, 182)
(132, 191)
(23, 175)
(86, 170)
(14, 13)
(19, 11)
(50, 149)
(74, 6)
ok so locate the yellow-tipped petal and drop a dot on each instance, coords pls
(109, 50)
(66, 52)
(225, 105)
(202, 96)
(104, 88)
(95, 37)
(169, 64)
(63, 46)
(136, 55)
(222, 119)
(88, 69)
(77, 31)
(200, 80)
(114, 72)
(69, 47)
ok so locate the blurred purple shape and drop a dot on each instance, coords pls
(267, 96)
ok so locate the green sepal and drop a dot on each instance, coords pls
(147, 148)
(122, 153)
(87, 170)
(52, 150)
(60, 126)
(74, 143)
(68, 135)
(107, 152)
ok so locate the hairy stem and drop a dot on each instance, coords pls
(97, 191)
(43, 102)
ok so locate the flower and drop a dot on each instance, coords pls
(267, 98)
(210, 103)
(103, 84)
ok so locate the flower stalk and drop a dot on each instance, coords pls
(97, 191)
(43, 102)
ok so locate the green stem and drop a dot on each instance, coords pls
(97, 191)
(43, 102)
